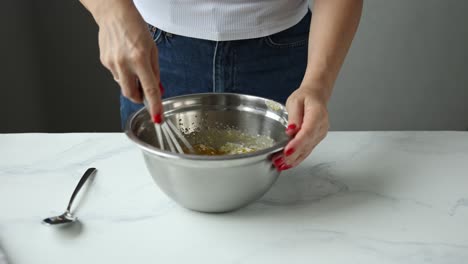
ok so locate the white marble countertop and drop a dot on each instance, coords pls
(361, 197)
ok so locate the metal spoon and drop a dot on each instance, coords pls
(68, 217)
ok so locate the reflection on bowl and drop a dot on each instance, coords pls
(216, 183)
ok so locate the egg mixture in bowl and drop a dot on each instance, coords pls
(234, 137)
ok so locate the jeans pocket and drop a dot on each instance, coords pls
(156, 33)
(295, 36)
(282, 43)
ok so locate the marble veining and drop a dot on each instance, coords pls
(461, 203)
(375, 249)
(361, 197)
(309, 185)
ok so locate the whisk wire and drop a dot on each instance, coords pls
(165, 133)
(171, 138)
(159, 135)
(180, 136)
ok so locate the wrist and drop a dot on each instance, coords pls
(319, 86)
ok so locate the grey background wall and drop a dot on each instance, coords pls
(407, 69)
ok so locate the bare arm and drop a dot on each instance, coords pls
(332, 29)
(127, 51)
(333, 25)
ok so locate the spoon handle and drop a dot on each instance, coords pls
(82, 181)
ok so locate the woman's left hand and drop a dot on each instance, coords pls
(307, 125)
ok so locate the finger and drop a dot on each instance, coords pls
(115, 75)
(295, 108)
(155, 67)
(306, 148)
(278, 160)
(150, 86)
(109, 65)
(128, 84)
(305, 152)
(287, 166)
(155, 61)
(304, 139)
(303, 155)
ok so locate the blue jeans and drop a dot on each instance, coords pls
(271, 67)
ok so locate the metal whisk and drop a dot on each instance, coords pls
(168, 133)
(169, 136)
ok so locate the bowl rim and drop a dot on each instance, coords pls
(278, 146)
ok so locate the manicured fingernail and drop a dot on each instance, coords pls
(161, 88)
(291, 127)
(277, 162)
(278, 166)
(277, 158)
(285, 167)
(289, 152)
(157, 118)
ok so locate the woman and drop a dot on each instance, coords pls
(245, 46)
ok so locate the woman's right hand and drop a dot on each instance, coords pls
(128, 51)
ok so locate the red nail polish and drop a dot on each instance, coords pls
(285, 167)
(289, 152)
(161, 88)
(278, 161)
(291, 127)
(157, 119)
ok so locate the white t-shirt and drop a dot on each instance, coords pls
(222, 19)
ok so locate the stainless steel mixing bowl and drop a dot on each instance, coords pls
(213, 183)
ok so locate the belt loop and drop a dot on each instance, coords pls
(214, 66)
